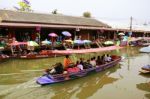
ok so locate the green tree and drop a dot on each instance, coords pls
(24, 5)
(87, 14)
(55, 11)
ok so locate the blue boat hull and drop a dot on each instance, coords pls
(50, 79)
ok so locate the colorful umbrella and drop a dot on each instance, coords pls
(109, 43)
(121, 33)
(66, 33)
(52, 34)
(32, 43)
(1, 48)
(69, 41)
(46, 42)
(86, 41)
(78, 42)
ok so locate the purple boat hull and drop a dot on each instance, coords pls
(50, 79)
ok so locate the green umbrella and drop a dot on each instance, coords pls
(109, 43)
(32, 43)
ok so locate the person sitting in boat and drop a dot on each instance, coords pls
(67, 62)
(108, 58)
(103, 59)
(58, 69)
(87, 65)
(98, 61)
(82, 61)
(93, 62)
(74, 68)
(79, 65)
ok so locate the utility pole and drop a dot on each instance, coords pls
(131, 23)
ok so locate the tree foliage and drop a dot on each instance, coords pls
(87, 14)
(24, 5)
(55, 11)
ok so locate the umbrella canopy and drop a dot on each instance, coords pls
(78, 42)
(46, 42)
(66, 33)
(109, 43)
(32, 43)
(52, 34)
(86, 41)
(121, 33)
(1, 48)
(69, 41)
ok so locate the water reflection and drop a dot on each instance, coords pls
(86, 87)
(144, 87)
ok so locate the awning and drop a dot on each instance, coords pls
(48, 26)
(32, 25)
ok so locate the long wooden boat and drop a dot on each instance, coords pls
(75, 51)
(38, 56)
(51, 79)
(56, 53)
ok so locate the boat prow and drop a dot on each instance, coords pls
(145, 69)
(44, 80)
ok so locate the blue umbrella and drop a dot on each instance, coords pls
(86, 41)
(66, 33)
(78, 42)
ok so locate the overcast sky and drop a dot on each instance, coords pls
(102, 9)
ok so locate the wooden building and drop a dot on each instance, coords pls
(23, 25)
(26, 25)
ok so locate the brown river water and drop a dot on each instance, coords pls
(18, 79)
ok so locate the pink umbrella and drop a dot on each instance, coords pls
(52, 34)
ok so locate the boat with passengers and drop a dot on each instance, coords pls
(49, 78)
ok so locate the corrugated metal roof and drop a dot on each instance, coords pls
(26, 17)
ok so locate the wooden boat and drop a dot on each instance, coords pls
(51, 79)
(3, 57)
(55, 53)
(75, 51)
(34, 55)
(145, 69)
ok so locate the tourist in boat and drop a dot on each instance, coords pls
(93, 62)
(67, 62)
(82, 61)
(103, 59)
(57, 69)
(87, 65)
(98, 61)
(107, 58)
(79, 65)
